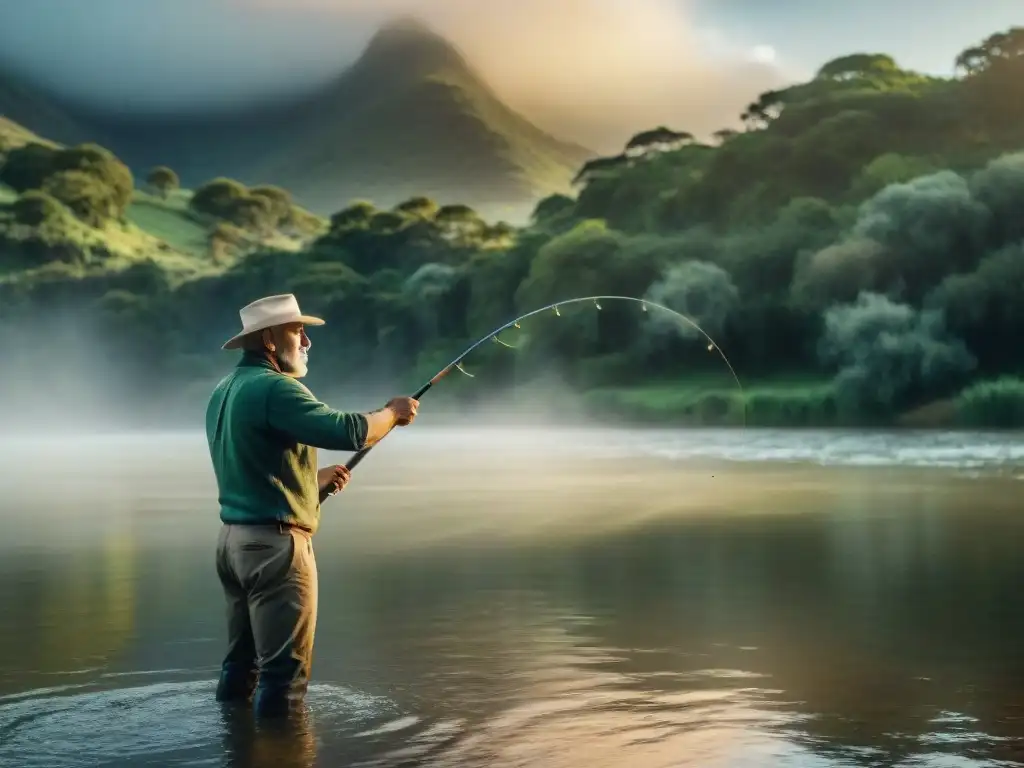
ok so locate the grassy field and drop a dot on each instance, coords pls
(169, 221)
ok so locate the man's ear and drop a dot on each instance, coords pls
(268, 340)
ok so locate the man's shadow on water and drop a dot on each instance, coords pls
(286, 741)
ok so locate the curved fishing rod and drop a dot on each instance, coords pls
(493, 335)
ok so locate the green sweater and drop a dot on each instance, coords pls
(263, 429)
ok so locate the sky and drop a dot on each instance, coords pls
(596, 71)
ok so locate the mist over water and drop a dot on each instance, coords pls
(550, 597)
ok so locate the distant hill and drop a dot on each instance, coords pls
(410, 117)
(31, 108)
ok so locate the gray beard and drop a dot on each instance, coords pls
(293, 365)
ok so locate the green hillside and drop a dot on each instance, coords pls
(13, 135)
(77, 211)
(857, 252)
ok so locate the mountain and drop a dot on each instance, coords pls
(410, 117)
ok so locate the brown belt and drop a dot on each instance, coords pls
(279, 524)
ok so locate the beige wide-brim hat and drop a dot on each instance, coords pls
(266, 313)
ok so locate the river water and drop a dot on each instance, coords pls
(521, 598)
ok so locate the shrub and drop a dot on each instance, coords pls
(163, 180)
(35, 207)
(995, 404)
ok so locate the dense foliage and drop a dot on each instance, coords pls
(865, 229)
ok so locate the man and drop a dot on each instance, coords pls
(263, 427)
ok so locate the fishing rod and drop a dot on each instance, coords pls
(514, 323)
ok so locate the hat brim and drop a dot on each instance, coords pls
(235, 341)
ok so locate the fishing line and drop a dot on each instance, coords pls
(492, 336)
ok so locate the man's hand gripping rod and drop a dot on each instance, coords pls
(357, 457)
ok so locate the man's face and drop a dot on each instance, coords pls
(291, 346)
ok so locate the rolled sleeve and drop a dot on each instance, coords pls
(292, 409)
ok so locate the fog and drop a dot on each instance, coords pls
(592, 72)
(425, 486)
(70, 380)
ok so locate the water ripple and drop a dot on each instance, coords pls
(176, 720)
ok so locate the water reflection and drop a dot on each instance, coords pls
(68, 611)
(282, 743)
(740, 666)
(796, 617)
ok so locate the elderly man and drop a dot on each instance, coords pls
(263, 427)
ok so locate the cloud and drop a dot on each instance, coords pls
(763, 53)
(593, 70)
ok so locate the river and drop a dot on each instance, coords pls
(515, 597)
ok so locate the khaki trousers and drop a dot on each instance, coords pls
(269, 577)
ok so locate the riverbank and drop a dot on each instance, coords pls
(779, 402)
(799, 403)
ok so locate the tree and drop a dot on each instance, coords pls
(387, 221)
(216, 197)
(459, 222)
(929, 226)
(838, 273)
(660, 139)
(358, 214)
(767, 108)
(999, 48)
(723, 135)
(229, 200)
(552, 206)
(497, 236)
(420, 206)
(302, 223)
(279, 202)
(858, 65)
(999, 186)
(28, 166)
(225, 240)
(986, 307)
(84, 195)
(971, 61)
(599, 165)
(888, 168)
(590, 258)
(33, 166)
(163, 180)
(703, 292)
(252, 212)
(105, 168)
(34, 207)
(889, 355)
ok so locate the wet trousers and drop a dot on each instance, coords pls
(268, 574)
